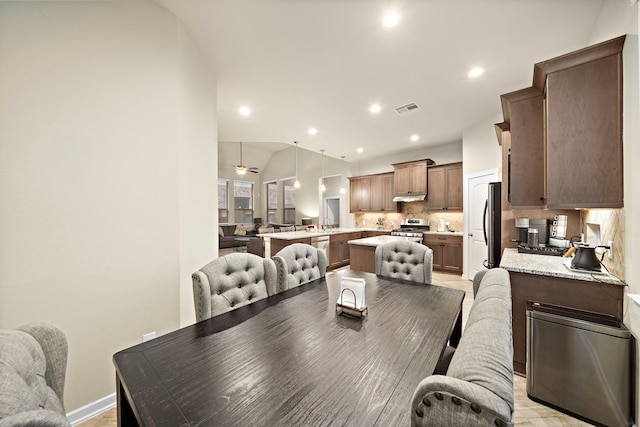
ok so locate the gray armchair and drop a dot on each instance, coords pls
(406, 260)
(230, 282)
(33, 366)
(299, 263)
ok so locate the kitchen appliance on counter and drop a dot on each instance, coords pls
(413, 227)
(528, 228)
(522, 224)
(585, 258)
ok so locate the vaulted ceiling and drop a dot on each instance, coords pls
(323, 63)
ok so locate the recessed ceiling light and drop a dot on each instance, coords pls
(391, 20)
(360, 150)
(313, 131)
(475, 72)
(244, 110)
(414, 138)
(375, 108)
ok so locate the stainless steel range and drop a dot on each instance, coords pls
(411, 228)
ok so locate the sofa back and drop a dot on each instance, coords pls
(478, 386)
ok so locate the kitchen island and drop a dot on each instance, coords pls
(547, 279)
(362, 251)
(332, 241)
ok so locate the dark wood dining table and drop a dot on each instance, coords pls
(292, 360)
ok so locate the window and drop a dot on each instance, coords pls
(243, 202)
(272, 202)
(223, 201)
(289, 202)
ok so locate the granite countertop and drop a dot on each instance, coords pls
(545, 265)
(444, 233)
(292, 235)
(377, 240)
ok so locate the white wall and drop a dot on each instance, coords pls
(308, 197)
(198, 154)
(98, 195)
(481, 151)
(441, 154)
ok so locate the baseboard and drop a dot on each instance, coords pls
(92, 409)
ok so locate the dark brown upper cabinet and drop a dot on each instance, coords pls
(562, 138)
(525, 156)
(445, 187)
(584, 126)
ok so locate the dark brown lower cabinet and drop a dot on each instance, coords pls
(447, 252)
(584, 295)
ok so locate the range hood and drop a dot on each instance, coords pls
(411, 198)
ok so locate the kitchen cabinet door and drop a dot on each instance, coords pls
(525, 155)
(445, 187)
(453, 176)
(388, 191)
(360, 194)
(452, 257)
(437, 199)
(584, 135)
(411, 178)
(438, 250)
(447, 252)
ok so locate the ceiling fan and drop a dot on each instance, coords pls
(241, 169)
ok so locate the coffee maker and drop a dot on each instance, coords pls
(530, 230)
(522, 224)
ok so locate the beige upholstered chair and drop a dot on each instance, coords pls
(33, 366)
(406, 260)
(230, 282)
(297, 264)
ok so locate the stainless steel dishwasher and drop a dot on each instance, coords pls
(580, 362)
(322, 243)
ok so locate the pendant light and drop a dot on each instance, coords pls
(296, 184)
(342, 188)
(322, 187)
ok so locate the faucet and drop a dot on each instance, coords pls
(326, 223)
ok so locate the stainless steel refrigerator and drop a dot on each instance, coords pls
(492, 223)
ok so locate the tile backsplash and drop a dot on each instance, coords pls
(410, 211)
(610, 224)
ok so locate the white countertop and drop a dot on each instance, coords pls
(546, 265)
(377, 240)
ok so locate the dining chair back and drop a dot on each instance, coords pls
(232, 281)
(33, 366)
(299, 263)
(406, 260)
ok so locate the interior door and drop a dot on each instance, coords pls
(478, 186)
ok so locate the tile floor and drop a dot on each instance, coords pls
(527, 412)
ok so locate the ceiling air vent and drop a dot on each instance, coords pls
(407, 108)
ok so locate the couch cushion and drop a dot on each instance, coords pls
(22, 375)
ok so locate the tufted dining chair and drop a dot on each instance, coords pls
(297, 264)
(406, 260)
(33, 366)
(232, 281)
